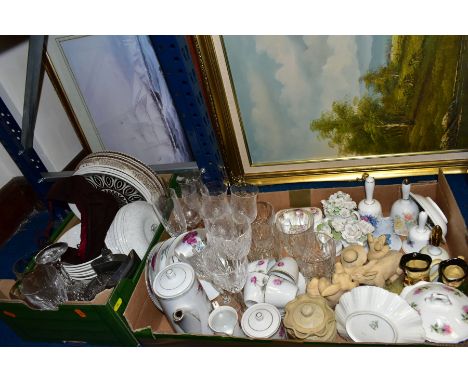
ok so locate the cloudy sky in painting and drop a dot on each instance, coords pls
(284, 82)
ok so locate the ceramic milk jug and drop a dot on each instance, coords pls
(370, 208)
(183, 299)
(418, 236)
(436, 252)
(404, 211)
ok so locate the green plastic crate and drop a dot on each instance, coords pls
(100, 324)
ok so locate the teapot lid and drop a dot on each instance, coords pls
(261, 320)
(173, 280)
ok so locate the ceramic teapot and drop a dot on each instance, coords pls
(370, 208)
(183, 299)
(404, 211)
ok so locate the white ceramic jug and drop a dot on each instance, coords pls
(183, 299)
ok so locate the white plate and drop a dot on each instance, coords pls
(125, 177)
(150, 272)
(372, 314)
(443, 310)
(384, 227)
(410, 247)
(434, 212)
(72, 237)
(169, 256)
(133, 227)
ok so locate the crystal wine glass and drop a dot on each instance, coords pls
(244, 200)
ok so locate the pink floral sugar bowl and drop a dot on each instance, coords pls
(443, 310)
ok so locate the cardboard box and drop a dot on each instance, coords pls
(98, 321)
(151, 327)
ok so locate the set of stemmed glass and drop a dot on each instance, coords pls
(240, 229)
(227, 221)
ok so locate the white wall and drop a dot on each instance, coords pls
(55, 140)
(8, 168)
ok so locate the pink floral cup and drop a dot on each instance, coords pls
(286, 268)
(254, 288)
(279, 291)
(262, 265)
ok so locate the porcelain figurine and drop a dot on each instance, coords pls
(310, 318)
(436, 252)
(418, 236)
(377, 247)
(404, 211)
(183, 299)
(377, 272)
(370, 208)
(353, 256)
(332, 291)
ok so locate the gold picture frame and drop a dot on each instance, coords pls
(226, 118)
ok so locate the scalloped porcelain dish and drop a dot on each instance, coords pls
(443, 310)
(133, 227)
(372, 314)
(433, 211)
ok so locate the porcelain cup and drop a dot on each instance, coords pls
(287, 268)
(223, 320)
(262, 266)
(254, 288)
(279, 291)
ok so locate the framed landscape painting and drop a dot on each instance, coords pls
(300, 108)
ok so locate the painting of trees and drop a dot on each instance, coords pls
(363, 126)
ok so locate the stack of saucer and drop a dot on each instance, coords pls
(82, 271)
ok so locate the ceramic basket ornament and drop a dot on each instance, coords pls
(342, 221)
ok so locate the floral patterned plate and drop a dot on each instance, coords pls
(443, 310)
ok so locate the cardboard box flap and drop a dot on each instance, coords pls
(141, 313)
(457, 235)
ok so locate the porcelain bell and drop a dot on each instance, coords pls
(418, 236)
(370, 208)
(404, 211)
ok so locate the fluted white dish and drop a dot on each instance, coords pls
(373, 314)
(133, 227)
